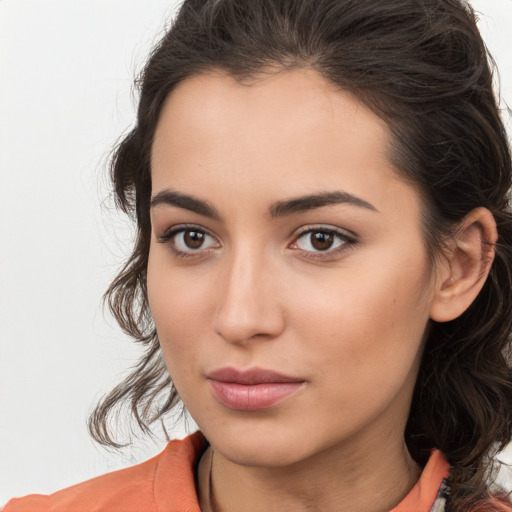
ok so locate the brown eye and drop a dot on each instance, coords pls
(188, 241)
(193, 239)
(321, 240)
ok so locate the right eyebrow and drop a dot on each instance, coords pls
(172, 198)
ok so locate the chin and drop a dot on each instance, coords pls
(271, 445)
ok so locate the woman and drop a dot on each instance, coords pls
(322, 264)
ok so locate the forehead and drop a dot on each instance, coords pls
(217, 94)
(288, 132)
(290, 102)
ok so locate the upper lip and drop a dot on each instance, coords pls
(250, 376)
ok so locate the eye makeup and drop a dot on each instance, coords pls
(316, 242)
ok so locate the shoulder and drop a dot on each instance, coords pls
(167, 478)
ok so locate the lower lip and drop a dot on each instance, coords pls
(253, 397)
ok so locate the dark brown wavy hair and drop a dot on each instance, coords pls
(420, 65)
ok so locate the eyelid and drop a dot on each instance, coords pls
(177, 228)
(170, 233)
(349, 238)
(327, 228)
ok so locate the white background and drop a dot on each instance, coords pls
(66, 72)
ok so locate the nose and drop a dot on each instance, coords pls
(248, 298)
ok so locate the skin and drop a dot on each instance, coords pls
(349, 321)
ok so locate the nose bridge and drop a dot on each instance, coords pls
(247, 301)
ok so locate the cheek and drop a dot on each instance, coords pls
(178, 303)
(365, 329)
(358, 329)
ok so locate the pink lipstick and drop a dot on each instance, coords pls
(252, 389)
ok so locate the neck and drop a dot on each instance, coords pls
(368, 480)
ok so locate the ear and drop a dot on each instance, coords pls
(461, 274)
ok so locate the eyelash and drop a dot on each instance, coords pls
(348, 241)
(167, 238)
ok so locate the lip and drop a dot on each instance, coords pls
(253, 389)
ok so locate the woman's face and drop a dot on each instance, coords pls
(287, 275)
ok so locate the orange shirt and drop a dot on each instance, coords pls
(166, 483)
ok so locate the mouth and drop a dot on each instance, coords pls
(253, 389)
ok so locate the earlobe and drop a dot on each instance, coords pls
(461, 274)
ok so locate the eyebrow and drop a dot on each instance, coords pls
(310, 202)
(173, 198)
(278, 209)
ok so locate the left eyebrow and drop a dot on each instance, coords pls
(310, 202)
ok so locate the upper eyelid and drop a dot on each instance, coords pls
(169, 234)
(349, 236)
(328, 228)
(297, 232)
(173, 230)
